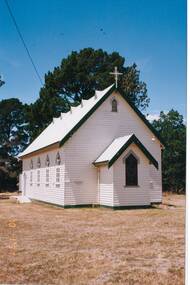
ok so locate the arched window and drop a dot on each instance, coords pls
(114, 105)
(47, 160)
(38, 163)
(131, 168)
(58, 159)
(31, 164)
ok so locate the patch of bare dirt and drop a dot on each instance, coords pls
(41, 244)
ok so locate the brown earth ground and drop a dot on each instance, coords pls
(42, 244)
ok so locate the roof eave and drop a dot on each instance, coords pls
(136, 110)
(50, 146)
(100, 163)
(143, 118)
(133, 139)
(86, 116)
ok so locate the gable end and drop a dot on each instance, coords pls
(95, 107)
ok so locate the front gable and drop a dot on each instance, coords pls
(118, 146)
(62, 128)
(93, 128)
(111, 95)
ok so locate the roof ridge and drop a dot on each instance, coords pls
(58, 134)
(83, 100)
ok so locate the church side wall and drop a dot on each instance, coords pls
(156, 183)
(106, 186)
(92, 138)
(78, 175)
(44, 183)
(131, 195)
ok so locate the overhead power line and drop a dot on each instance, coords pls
(23, 41)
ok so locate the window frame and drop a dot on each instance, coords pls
(127, 183)
(57, 177)
(47, 177)
(47, 160)
(38, 177)
(114, 105)
(31, 178)
(31, 164)
(58, 159)
(38, 162)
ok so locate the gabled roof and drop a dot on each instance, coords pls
(62, 128)
(118, 146)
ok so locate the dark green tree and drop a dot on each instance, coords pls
(77, 77)
(173, 130)
(1, 81)
(13, 139)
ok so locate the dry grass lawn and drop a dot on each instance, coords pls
(41, 244)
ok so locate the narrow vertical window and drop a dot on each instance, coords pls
(131, 168)
(58, 159)
(31, 178)
(31, 164)
(38, 178)
(114, 105)
(47, 160)
(47, 177)
(57, 177)
(38, 162)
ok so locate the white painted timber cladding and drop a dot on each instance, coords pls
(131, 195)
(86, 145)
(155, 183)
(92, 138)
(106, 186)
(51, 191)
(21, 183)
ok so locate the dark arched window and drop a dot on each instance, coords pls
(131, 168)
(114, 105)
(58, 159)
(47, 160)
(31, 164)
(38, 163)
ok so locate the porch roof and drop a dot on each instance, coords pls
(118, 146)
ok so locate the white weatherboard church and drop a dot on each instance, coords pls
(102, 152)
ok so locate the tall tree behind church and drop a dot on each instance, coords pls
(13, 138)
(76, 78)
(173, 130)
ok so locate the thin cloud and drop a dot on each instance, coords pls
(10, 61)
(152, 117)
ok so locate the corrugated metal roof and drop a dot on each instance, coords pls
(118, 146)
(112, 149)
(60, 127)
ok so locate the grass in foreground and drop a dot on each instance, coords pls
(41, 244)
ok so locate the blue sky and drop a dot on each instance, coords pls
(151, 33)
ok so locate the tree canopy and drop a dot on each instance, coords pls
(77, 77)
(173, 130)
(1, 81)
(13, 139)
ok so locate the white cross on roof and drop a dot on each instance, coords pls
(116, 73)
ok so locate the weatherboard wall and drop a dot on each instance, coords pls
(131, 195)
(43, 190)
(155, 179)
(106, 186)
(92, 138)
(85, 146)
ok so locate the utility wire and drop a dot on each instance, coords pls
(23, 41)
